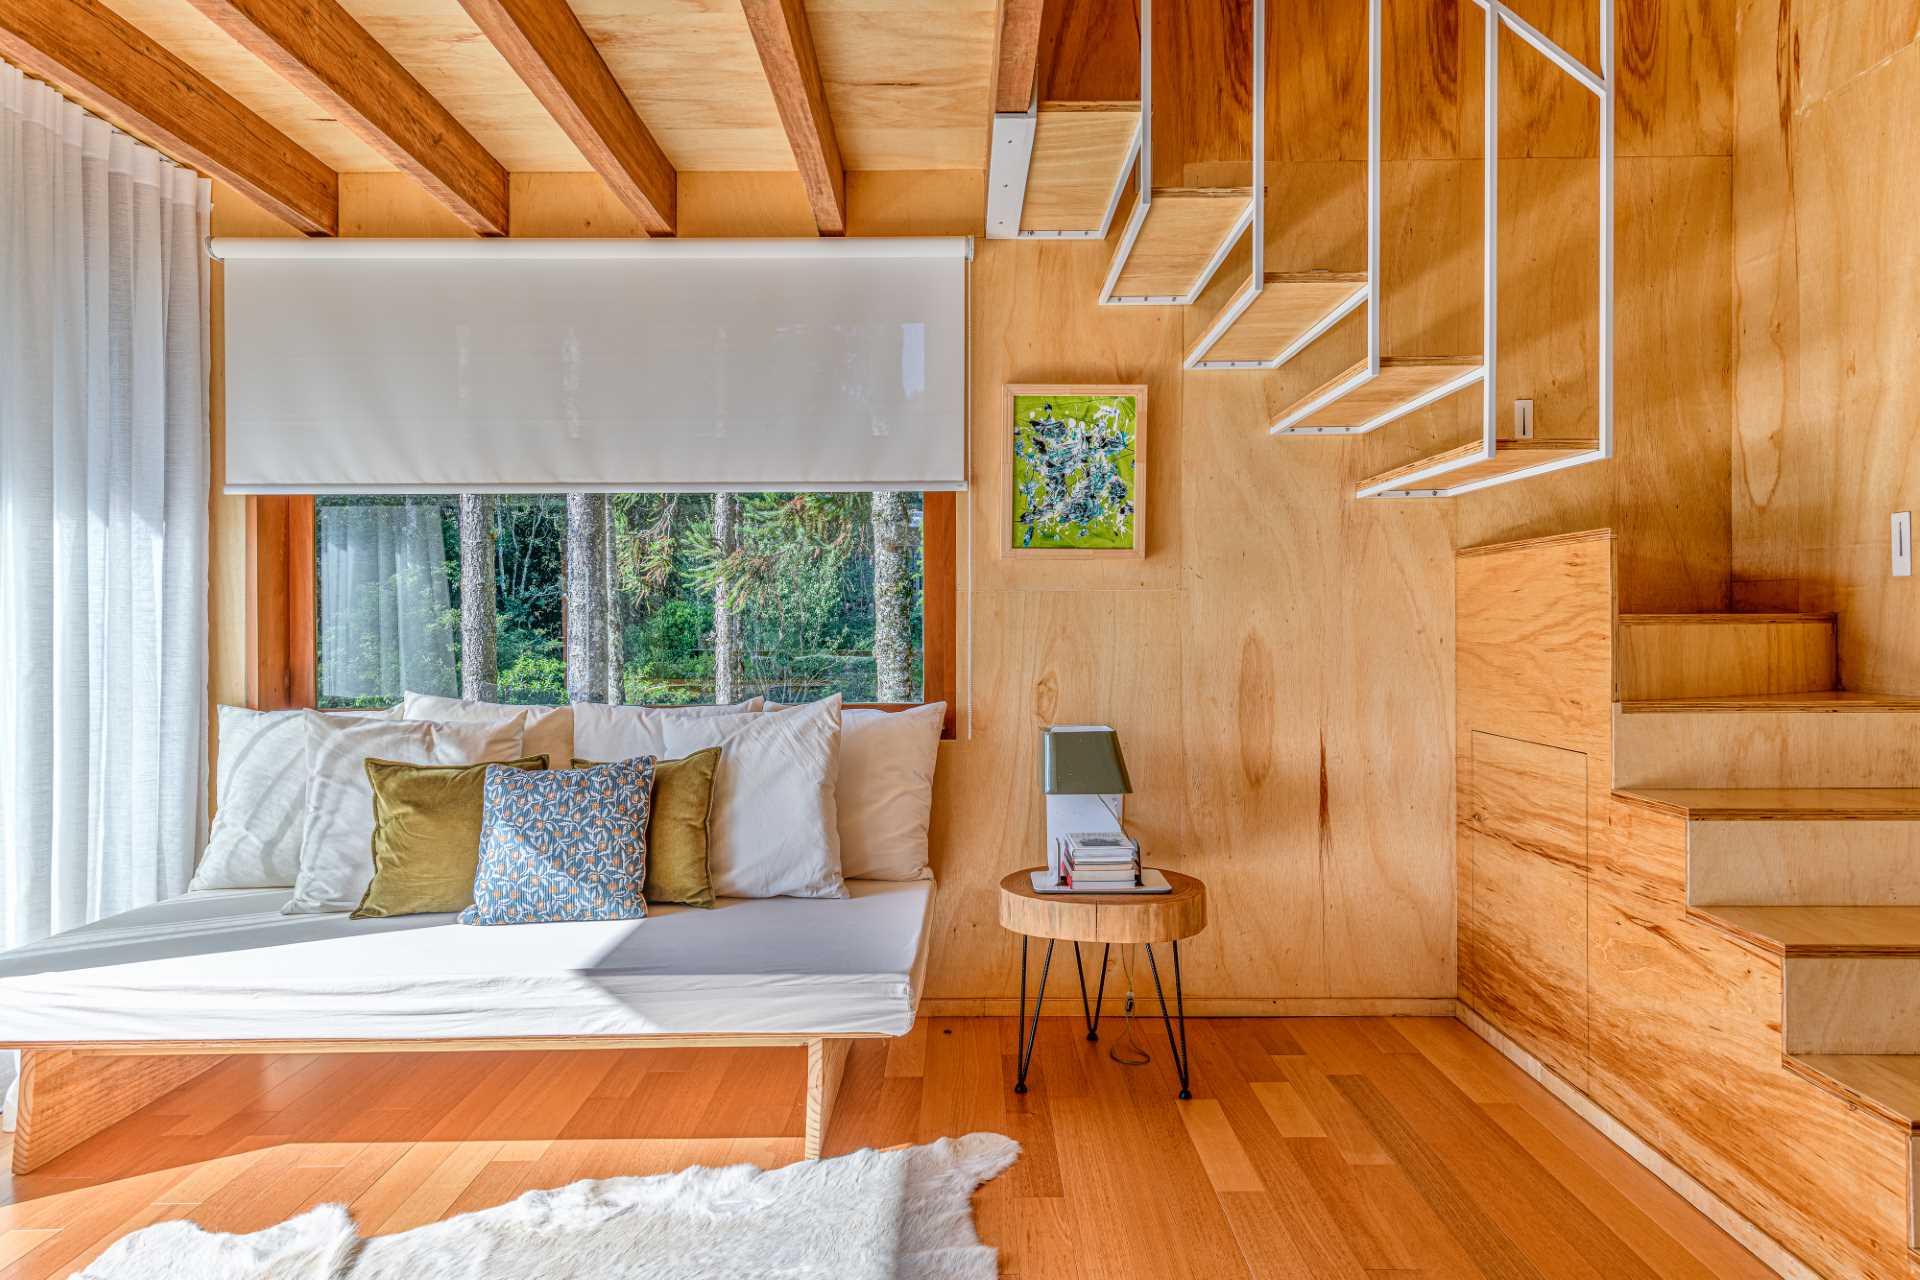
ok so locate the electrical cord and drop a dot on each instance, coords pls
(1136, 1054)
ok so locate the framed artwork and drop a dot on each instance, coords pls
(1076, 473)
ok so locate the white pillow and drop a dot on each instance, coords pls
(549, 729)
(773, 830)
(260, 799)
(601, 732)
(886, 790)
(260, 793)
(336, 856)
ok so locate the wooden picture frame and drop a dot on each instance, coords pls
(1010, 538)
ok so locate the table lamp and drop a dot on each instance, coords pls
(1084, 777)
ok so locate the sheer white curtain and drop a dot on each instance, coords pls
(386, 621)
(103, 516)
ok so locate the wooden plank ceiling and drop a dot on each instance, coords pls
(907, 83)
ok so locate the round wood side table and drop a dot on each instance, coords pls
(1106, 918)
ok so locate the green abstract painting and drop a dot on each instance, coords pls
(1075, 472)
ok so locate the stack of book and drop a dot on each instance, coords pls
(1093, 860)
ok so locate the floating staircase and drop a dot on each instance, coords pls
(1078, 167)
(1803, 833)
(1263, 328)
(1173, 247)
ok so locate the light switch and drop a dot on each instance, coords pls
(1903, 544)
(1523, 419)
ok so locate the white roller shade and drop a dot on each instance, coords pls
(419, 366)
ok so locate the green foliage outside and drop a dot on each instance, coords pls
(801, 582)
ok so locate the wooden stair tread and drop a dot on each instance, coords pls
(1289, 304)
(1373, 401)
(1821, 931)
(1782, 803)
(1831, 700)
(1183, 230)
(1708, 619)
(1509, 455)
(1080, 154)
(1886, 1083)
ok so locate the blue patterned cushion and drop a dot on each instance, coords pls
(570, 844)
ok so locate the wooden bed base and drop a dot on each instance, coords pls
(69, 1092)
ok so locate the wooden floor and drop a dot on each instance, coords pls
(1312, 1147)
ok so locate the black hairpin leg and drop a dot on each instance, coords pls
(1092, 1014)
(1023, 1046)
(1179, 1051)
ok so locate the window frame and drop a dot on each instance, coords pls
(281, 587)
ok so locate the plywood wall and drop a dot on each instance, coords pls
(1280, 662)
(1828, 279)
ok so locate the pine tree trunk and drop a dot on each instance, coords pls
(892, 630)
(479, 629)
(616, 615)
(586, 597)
(726, 537)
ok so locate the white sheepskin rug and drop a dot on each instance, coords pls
(871, 1215)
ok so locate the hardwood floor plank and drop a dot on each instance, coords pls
(1220, 1152)
(1346, 1148)
(1492, 1252)
(1288, 1110)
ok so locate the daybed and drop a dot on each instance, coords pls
(114, 1014)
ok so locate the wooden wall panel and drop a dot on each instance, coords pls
(1527, 926)
(1829, 315)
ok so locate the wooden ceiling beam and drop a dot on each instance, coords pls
(318, 47)
(95, 57)
(1017, 55)
(545, 44)
(786, 51)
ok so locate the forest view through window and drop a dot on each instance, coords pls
(655, 598)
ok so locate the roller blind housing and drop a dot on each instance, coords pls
(526, 366)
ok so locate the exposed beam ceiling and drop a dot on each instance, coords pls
(91, 54)
(545, 44)
(1017, 54)
(331, 58)
(786, 51)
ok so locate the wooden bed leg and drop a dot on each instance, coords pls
(826, 1063)
(67, 1097)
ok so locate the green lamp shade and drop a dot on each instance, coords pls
(1082, 762)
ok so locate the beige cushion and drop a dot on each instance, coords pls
(549, 730)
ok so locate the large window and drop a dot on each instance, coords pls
(660, 598)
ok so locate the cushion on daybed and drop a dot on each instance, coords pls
(336, 862)
(228, 965)
(426, 835)
(569, 844)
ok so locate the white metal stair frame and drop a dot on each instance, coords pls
(1256, 280)
(1007, 166)
(1601, 85)
(1289, 422)
(1143, 176)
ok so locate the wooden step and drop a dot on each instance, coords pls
(1830, 739)
(1783, 804)
(1682, 655)
(1353, 402)
(1081, 154)
(1820, 847)
(1291, 309)
(1822, 931)
(1850, 976)
(1186, 234)
(1441, 475)
(1885, 1083)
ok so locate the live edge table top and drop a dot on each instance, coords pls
(1104, 917)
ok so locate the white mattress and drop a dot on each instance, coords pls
(226, 965)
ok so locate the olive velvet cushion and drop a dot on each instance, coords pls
(677, 828)
(426, 835)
